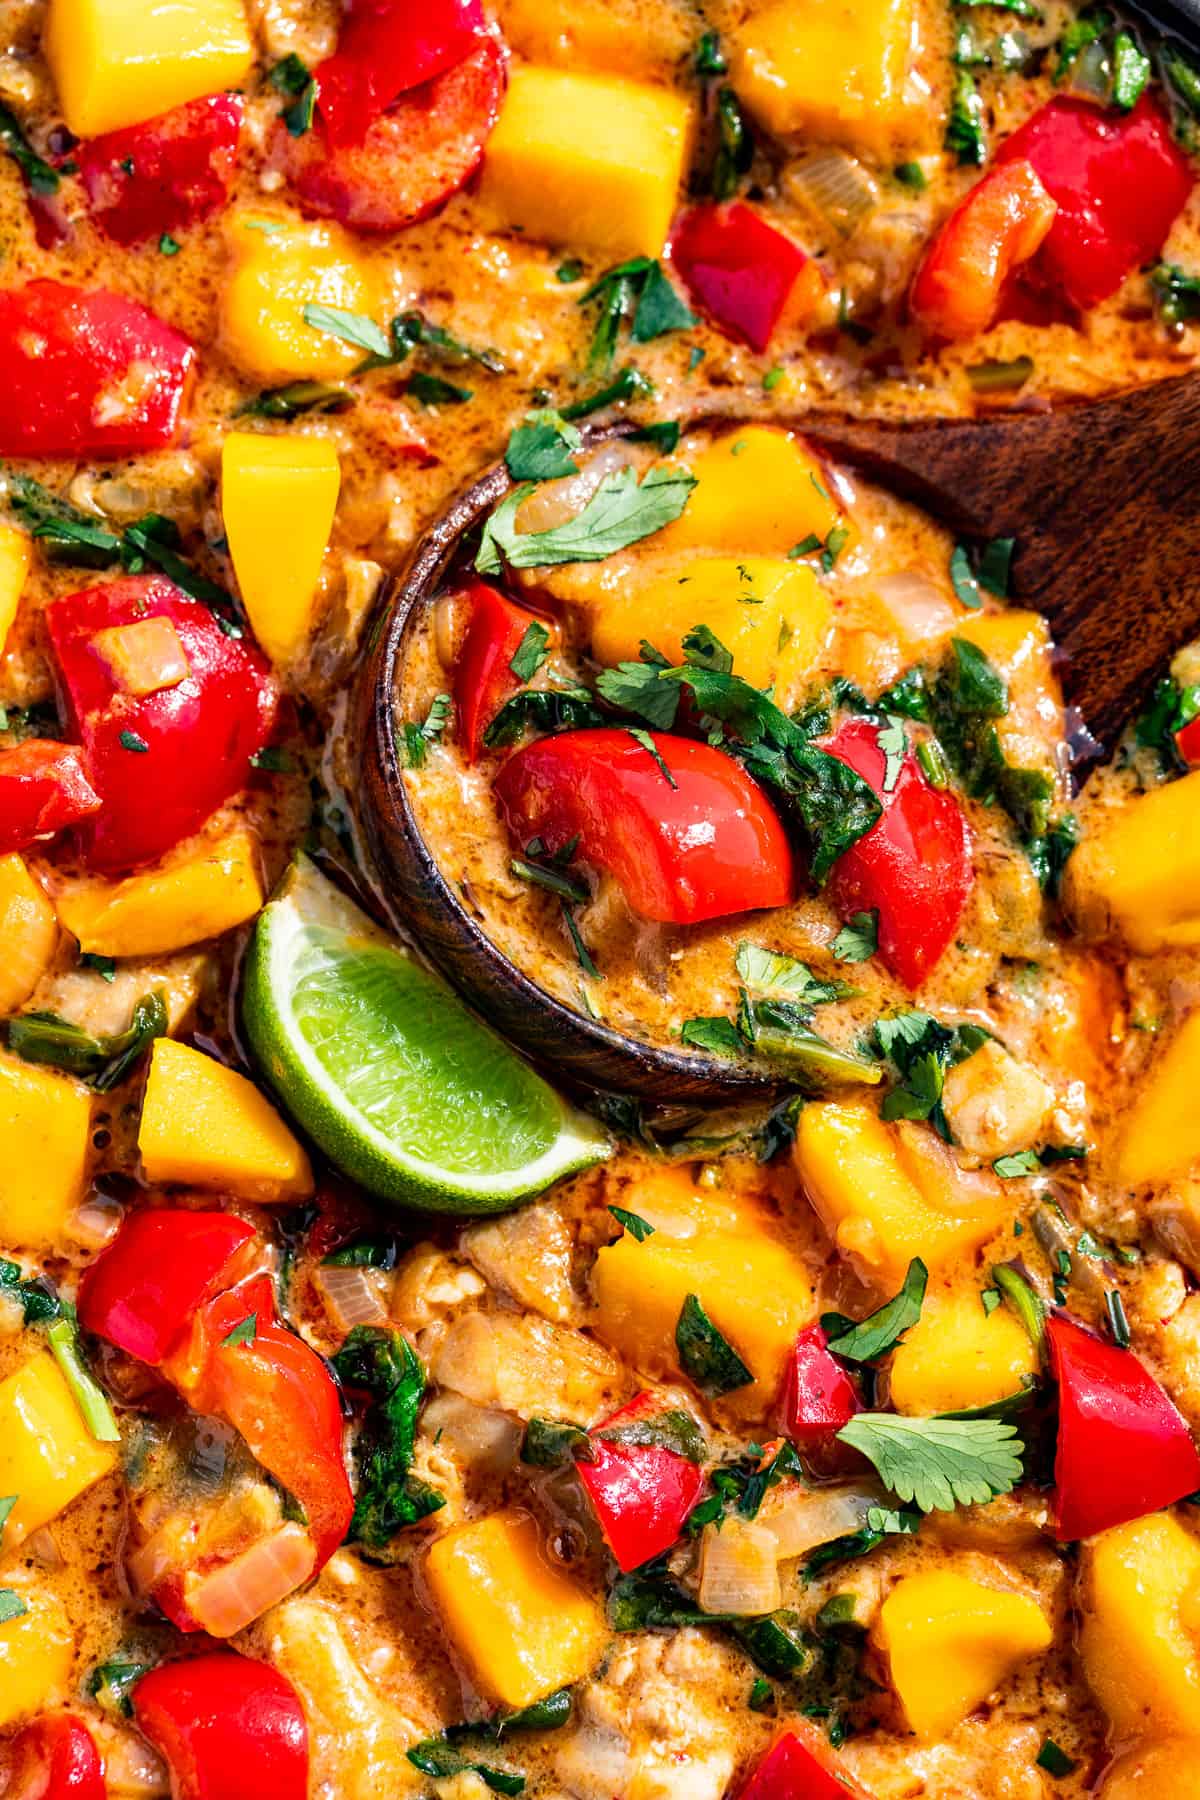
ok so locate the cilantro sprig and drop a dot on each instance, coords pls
(938, 1464)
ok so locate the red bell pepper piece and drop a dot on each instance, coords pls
(1187, 741)
(43, 789)
(166, 174)
(413, 158)
(227, 1727)
(703, 845)
(87, 373)
(913, 866)
(818, 1395)
(800, 1765)
(278, 1394)
(385, 48)
(739, 269)
(1120, 181)
(1002, 223)
(483, 679)
(1124, 1448)
(55, 1758)
(642, 1493)
(198, 736)
(144, 1290)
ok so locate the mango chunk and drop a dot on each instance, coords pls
(589, 160)
(275, 275)
(28, 932)
(887, 1193)
(48, 1457)
(36, 1653)
(1160, 1136)
(118, 62)
(950, 1640)
(195, 897)
(756, 489)
(1136, 876)
(278, 498)
(753, 1287)
(957, 1356)
(206, 1126)
(834, 70)
(519, 1623)
(45, 1129)
(15, 557)
(1162, 1770)
(1140, 1637)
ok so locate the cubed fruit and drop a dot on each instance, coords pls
(276, 273)
(958, 1356)
(1136, 876)
(753, 1287)
(995, 1104)
(206, 1126)
(28, 931)
(1140, 1634)
(194, 897)
(15, 555)
(773, 616)
(588, 160)
(950, 1640)
(1165, 1769)
(36, 1652)
(119, 62)
(755, 488)
(1160, 1135)
(519, 1623)
(48, 1457)
(887, 1193)
(278, 498)
(838, 71)
(45, 1126)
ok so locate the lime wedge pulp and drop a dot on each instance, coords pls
(384, 1067)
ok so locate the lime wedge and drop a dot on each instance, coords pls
(404, 1089)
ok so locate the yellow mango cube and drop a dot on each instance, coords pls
(518, 1621)
(589, 160)
(758, 489)
(45, 1130)
(838, 71)
(276, 273)
(950, 1640)
(48, 1457)
(278, 498)
(197, 896)
(15, 557)
(957, 1356)
(1140, 1633)
(887, 1193)
(1164, 1769)
(1160, 1135)
(28, 932)
(37, 1649)
(118, 62)
(1136, 876)
(206, 1126)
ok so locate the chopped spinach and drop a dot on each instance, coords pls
(921, 1049)
(544, 710)
(440, 1759)
(640, 291)
(379, 1361)
(705, 1355)
(555, 1443)
(872, 1337)
(966, 127)
(39, 177)
(104, 1062)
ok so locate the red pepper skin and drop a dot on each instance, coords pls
(483, 679)
(913, 866)
(1124, 1449)
(227, 1727)
(801, 1766)
(738, 268)
(385, 48)
(87, 373)
(55, 1758)
(415, 156)
(1120, 181)
(1000, 224)
(200, 735)
(1187, 741)
(166, 174)
(279, 1395)
(818, 1395)
(144, 1290)
(641, 1493)
(44, 788)
(709, 846)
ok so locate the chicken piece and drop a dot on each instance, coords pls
(429, 1284)
(105, 1007)
(995, 1104)
(524, 1365)
(527, 1256)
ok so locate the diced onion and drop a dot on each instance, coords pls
(835, 189)
(144, 657)
(239, 1592)
(799, 1518)
(96, 1222)
(739, 1568)
(43, 1548)
(918, 609)
(132, 1770)
(12, 1315)
(351, 1297)
(557, 501)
